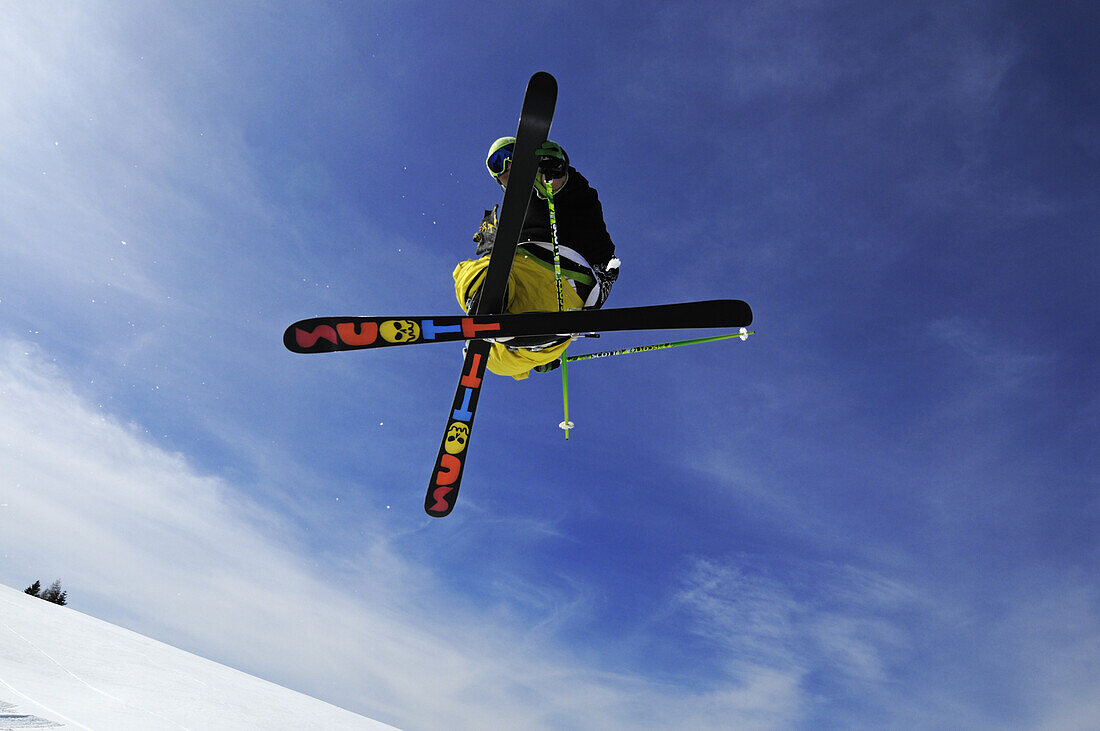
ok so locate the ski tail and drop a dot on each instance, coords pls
(447, 476)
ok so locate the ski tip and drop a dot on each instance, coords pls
(744, 312)
(316, 335)
(544, 84)
(440, 502)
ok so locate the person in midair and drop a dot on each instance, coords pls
(589, 266)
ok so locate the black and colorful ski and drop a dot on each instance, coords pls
(534, 125)
(328, 334)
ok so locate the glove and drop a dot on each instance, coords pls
(487, 234)
(553, 162)
(606, 274)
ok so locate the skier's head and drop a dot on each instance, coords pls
(500, 154)
(553, 162)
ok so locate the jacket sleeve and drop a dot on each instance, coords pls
(584, 224)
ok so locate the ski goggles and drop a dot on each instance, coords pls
(498, 161)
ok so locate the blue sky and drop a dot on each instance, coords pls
(880, 510)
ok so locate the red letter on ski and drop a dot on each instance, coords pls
(470, 329)
(471, 379)
(357, 333)
(451, 467)
(309, 339)
(440, 494)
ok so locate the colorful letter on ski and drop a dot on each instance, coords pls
(328, 334)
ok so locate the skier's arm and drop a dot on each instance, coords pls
(587, 226)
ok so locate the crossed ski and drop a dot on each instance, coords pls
(487, 323)
(327, 334)
(534, 126)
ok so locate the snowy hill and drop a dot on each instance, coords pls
(60, 668)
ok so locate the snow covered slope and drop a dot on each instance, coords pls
(60, 668)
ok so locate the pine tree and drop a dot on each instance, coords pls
(55, 594)
(34, 589)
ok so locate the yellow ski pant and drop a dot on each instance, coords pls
(531, 288)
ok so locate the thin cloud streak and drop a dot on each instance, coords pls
(138, 533)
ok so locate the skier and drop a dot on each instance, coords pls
(587, 255)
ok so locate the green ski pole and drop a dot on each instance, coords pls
(743, 335)
(566, 424)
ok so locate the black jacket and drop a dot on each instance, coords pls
(580, 220)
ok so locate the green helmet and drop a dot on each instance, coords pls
(554, 150)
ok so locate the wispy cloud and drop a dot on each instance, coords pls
(1003, 363)
(834, 622)
(848, 646)
(141, 536)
